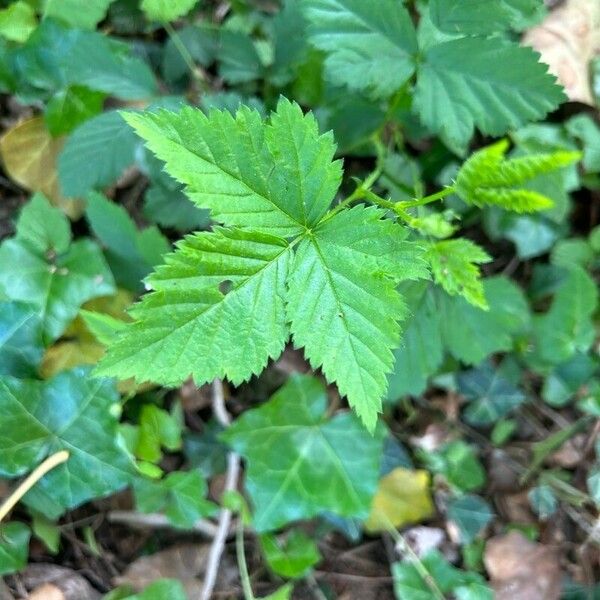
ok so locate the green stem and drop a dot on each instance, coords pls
(185, 55)
(428, 199)
(241, 560)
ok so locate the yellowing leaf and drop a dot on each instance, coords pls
(69, 354)
(29, 154)
(402, 497)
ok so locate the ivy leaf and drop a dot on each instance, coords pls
(454, 267)
(567, 328)
(130, 253)
(21, 346)
(69, 412)
(96, 154)
(56, 284)
(369, 46)
(277, 179)
(293, 557)
(489, 178)
(17, 21)
(458, 91)
(188, 326)
(14, 547)
(470, 514)
(181, 495)
(295, 453)
(352, 264)
(70, 12)
(71, 107)
(166, 10)
(490, 396)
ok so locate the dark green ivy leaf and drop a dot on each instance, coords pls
(14, 547)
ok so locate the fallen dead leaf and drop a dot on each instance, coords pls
(568, 39)
(520, 568)
(571, 453)
(29, 154)
(422, 539)
(402, 497)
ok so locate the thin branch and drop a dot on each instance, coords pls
(50, 463)
(231, 479)
(157, 521)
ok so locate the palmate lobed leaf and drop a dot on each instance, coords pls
(227, 301)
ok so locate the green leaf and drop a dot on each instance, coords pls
(71, 107)
(283, 593)
(370, 46)
(96, 154)
(21, 346)
(489, 178)
(347, 270)
(277, 179)
(563, 383)
(103, 327)
(158, 429)
(470, 514)
(436, 578)
(47, 531)
(291, 558)
(238, 58)
(73, 14)
(188, 326)
(459, 88)
(567, 328)
(489, 395)
(470, 17)
(56, 284)
(68, 412)
(130, 253)
(296, 457)
(166, 10)
(160, 590)
(471, 334)
(585, 129)
(17, 21)
(180, 495)
(14, 547)
(543, 501)
(43, 227)
(454, 267)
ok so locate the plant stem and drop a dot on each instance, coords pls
(241, 560)
(428, 199)
(50, 463)
(185, 55)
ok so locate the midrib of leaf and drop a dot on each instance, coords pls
(14, 328)
(340, 306)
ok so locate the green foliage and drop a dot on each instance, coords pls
(291, 558)
(488, 178)
(72, 107)
(490, 396)
(166, 10)
(470, 514)
(434, 577)
(180, 495)
(17, 21)
(14, 547)
(354, 260)
(70, 12)
(454, 267)
(42, 267)
(69, 412)
(300, 462)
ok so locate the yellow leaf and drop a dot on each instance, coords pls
(30, 154)
(402, 497)
(69, 354)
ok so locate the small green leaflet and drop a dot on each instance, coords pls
(14, 547)
(489, 178)
(166, 10)
(454, 265)
(470, 514)
(226, 301)
(69, 412)
(39, 266)
(17, 21)
(292, 556)
(370, 45)
(72, 13)
(300, 462)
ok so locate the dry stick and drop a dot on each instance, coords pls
(31, 480)
(231, 478)
(157, 521)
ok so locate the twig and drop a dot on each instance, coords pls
(231, 478)
(50, 463)
(157, 521)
